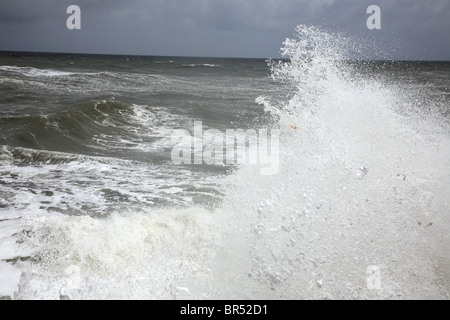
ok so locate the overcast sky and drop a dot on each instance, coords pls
(410, 29)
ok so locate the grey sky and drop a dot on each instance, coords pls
(411, 29)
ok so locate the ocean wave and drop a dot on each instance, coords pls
(103, 124)
(210, 65)
(31, 156)
(361, 187)
(34, 72)
(42, 181)
(354, 180)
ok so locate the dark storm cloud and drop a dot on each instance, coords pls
(411, 29)
(22, 11)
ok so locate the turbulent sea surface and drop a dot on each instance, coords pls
(93, 207)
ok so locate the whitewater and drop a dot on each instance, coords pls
(93, 208)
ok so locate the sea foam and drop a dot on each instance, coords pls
(361, 187)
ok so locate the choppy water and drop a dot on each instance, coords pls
(92, 206)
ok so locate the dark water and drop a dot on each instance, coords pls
(85, 151)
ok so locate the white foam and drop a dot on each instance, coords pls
(322, 214)
(76, 183)
(34, 72)
(9, 251)
(201, 65)
(126, 256)
(9, 278)
(8, 231)
(149, 130)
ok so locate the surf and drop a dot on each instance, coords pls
(360, 184)
(357, 180)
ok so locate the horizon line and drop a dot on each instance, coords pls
(198, 57)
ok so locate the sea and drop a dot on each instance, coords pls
(93, 205)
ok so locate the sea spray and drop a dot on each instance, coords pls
(357, 181)
(357, 210)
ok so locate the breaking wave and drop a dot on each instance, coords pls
(360, 185)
